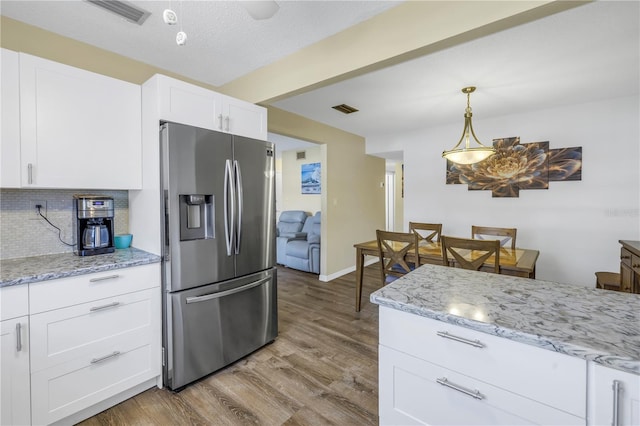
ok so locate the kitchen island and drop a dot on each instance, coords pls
(460, 346)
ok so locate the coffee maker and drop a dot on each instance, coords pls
(94, 224)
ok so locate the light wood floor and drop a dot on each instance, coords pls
(321, 370)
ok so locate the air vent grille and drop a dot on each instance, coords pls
(344, 108)
(123, 9)
(301, 155)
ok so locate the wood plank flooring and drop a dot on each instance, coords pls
(321, 370)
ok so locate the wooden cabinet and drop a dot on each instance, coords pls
(10, 121)
(94, 336)
(186, 103)
(78, 129)
(432, 372)
(15, 405)
(630, 266)
(613, 397)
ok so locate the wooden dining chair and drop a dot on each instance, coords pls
(487, 232)
(454, 250)
(429, 232)
(393, 248)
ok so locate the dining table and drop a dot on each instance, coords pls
(517, 262)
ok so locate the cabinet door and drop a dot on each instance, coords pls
(185, 103)
(613, 397)
(244, 118)
(15, 408)
(78, 129)
(10, 122)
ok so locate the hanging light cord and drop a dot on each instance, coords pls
(59, 231)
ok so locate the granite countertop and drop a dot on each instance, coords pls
(49, 267)
(597, 325)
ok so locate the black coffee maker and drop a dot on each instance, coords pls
(94, 224)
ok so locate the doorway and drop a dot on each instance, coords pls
(390, 200)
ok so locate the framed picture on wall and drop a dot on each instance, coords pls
(310, 178)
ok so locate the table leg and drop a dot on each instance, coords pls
(359, 274)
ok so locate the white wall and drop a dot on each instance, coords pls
(575, 225)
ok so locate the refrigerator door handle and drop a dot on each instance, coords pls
(217, 295)
(229, 199)
(236, 167)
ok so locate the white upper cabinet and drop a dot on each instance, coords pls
(10, 122)
(185, 103)
(78, 129)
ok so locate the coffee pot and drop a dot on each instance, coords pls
(94, 216)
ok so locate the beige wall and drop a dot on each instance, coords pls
(292, 196)
(352, 198)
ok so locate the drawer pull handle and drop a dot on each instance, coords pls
(616, 399)
(99, 308)
(625, 257)
(106, 357)
(474, 343)
(108, 277)
(473, 393)
(18, 337)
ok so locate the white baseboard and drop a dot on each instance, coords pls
(326, 278)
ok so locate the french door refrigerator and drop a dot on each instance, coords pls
(219, 279)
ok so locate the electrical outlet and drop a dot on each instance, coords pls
(33, 210)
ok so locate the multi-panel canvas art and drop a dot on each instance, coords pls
(517, 166)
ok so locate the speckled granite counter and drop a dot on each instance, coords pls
(41, 268)
(597, 325)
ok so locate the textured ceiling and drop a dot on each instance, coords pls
(584, 54)
(224, 42)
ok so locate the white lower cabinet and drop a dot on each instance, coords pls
(101, 340)
(432, 372)
(14, 371)
(613, 397)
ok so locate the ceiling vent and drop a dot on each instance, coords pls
(301, 155)
(124, 9)
(344, 108)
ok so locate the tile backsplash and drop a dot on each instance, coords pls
(22, 234)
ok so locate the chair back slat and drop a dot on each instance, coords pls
(429, 232)
(393, 248)
(470, 254)
(489, 233)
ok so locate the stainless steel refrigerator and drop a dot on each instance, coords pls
(219, 280)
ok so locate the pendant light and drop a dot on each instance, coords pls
(468, 155)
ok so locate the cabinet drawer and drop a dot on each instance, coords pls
(67, 388)
(14, 301)
(411, 394)
(55, 294)
(93, 329)
(545, 376)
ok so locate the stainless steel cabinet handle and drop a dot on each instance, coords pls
(30, 173)
(236, 167)
(108, 277)
(18, 337)
(473, 393)
(616, 400)
(220, 122)
(106, 357)
(226, 120)
(474, 343)
(99, 308)
(210, 296)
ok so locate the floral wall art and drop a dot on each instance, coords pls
(517, 166)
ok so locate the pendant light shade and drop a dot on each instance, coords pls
(468, 154)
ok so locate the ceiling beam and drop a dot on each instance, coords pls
(407, 31)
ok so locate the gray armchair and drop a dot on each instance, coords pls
(289, 227)
(304, 254)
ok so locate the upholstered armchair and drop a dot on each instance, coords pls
(304, 254)
(289, 227)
